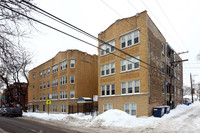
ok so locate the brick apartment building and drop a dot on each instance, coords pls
(70, 75)
(129, 84)
(12, 96)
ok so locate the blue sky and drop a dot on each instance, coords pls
(178, 20)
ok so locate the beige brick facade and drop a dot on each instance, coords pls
(85, 80)
(119, 89)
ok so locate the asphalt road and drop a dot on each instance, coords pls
(17, 125)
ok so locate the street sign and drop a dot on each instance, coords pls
(95, 98)
(48, 102)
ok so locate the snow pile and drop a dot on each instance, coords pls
(182, 119)
(117, 118)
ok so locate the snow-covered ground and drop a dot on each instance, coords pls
(183, 119)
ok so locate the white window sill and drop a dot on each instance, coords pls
(130, 70)
(108, 75)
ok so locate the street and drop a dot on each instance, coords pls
(20, 125)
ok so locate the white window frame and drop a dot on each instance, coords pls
(107, 107)
(72, 92)
(107, 48)
(125, 38)
(48, 84)
(72, 63)
(63, 95)
(48, 71)
(44, 85)
(131, 107)
(55, 68)
(128, 61)
(134, 84)
(104, 87)
(44, 72)
(71, 79)
(63, 108)
(163, 48)
(40, 74)
(54, 95)
(54, 83)
(63, 80)
(63, 65)
(44, 97)
(54, 108)
(108, 67)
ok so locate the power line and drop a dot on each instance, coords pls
(66, 33)
(79, 30)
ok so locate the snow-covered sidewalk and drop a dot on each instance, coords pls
(182, 119)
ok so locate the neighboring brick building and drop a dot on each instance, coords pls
(13, 98)
(70, 75)
(133, 86)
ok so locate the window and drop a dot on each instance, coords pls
(44, 73)
(55, 95)
(103, 90)
(107, 90)
(102, 49)
(163, 67)
(127, 87)
(33, 97)
(63, 94)
(123, 42)
(112, 68)
(40, 86)
(108, 47)
(33, 87)
(55, 68)
(130, 64)
(113, 89)
(47, 95)
(108, 69)
(107, 107)
(123, 84)
(63, 80)
(130, 87)
(41, 74)
(136, 37)
(44, 85)
(72, 79)
(163, 88)
(54, 108)
(55, 83)
(137, 86)
(44, 97)
(163, 49)
(72, 63)
(33, 76)
(44, 108)
(63, 108)
(130, 39)
(48, 84)
(130, 108)
(72, 94)
(36, 108)
(48, 71)
(40, 97)
(102, 70)
(63, 65)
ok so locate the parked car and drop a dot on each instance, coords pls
(3, 111)
(16, 111)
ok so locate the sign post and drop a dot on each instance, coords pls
(48, 102)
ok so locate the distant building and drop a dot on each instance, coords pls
(69, 75)
(13, 98)
(129, 84)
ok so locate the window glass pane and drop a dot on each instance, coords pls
(130, 60)
(72, 63)
(129, 39)
(127, 108)
(113, 89)
(107, 69)
(123, 65)
(136, 37)
(112, 68)
(72, 94)
(107, 89)
(130, 87)
(136, 62)
(72, 79)
(133, 109)
(123, 87)
(137, 86)
(123, 43)
(113, 45)
(110, 106)
(102, 49)
(102, 90)
(102, 70)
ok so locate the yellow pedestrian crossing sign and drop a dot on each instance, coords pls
(48, 102)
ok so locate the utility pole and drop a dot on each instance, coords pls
(191, 87)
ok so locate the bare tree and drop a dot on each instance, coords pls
(14, 59)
